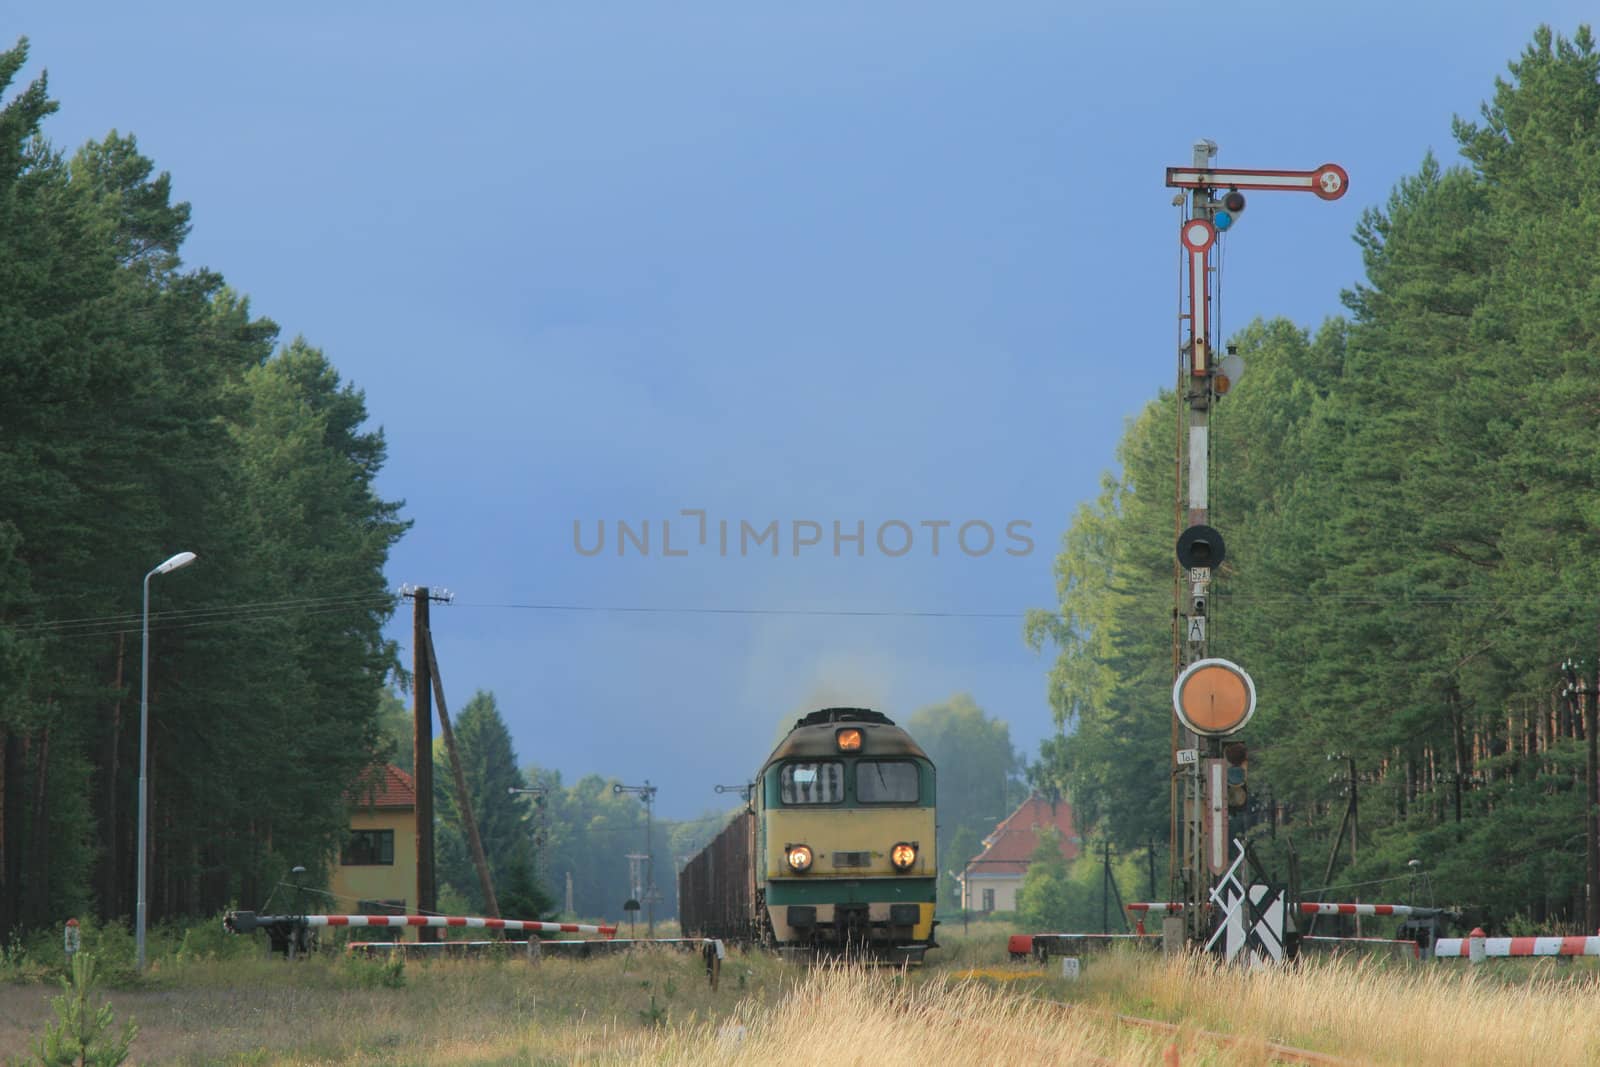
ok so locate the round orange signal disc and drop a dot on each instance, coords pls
(1214, 697)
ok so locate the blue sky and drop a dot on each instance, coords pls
(913, 262)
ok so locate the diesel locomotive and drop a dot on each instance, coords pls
(835, 850)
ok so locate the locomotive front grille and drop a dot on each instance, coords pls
(851, 859)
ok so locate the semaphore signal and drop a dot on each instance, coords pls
(1217, 199)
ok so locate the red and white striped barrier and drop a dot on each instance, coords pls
(448, 921)
(1518, 946)
(1365, 909)
(1166, 906)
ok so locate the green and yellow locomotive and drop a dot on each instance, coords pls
(836, 849)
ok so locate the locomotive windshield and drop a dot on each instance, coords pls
(812, 783)
(886, 782)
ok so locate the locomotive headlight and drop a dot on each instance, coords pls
(799, 857)
(903, 856)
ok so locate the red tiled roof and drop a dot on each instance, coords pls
(384, 787)
(1011, 845)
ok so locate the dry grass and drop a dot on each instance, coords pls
(973, 1007)
(333, 1010)
(1436, 1013)
(851, 1016)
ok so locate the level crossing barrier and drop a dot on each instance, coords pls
(246, 921)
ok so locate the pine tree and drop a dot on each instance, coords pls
(82, 1035)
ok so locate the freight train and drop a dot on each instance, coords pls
(834, 851)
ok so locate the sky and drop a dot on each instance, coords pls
(893, 264)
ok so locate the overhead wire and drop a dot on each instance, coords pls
(203, 618)
(302, 607)
(133, 618)
(795, 612)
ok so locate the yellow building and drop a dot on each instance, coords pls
(376, 870)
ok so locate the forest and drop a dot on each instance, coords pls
(147, 411)
(1409, 498)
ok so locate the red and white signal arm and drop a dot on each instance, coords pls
(1329, 181)
(1214, 697)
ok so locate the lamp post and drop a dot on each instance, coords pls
(646, 793)
(182, 559)
(1577, 689)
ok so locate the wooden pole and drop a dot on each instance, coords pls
(422, 757)
(1591, 702)
(463, 799)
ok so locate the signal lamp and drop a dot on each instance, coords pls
(1238, 758)
(849, 739)
(799, 857)
(1232, 207)
(903, 855)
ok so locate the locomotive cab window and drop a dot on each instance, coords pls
(821, 782)
(887, 782)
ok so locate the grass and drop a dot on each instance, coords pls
(972, 1005)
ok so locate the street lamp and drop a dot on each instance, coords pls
(182, 559)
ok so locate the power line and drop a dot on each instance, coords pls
(218, 617)
(800, 612)
(88, 627)
(132, 619)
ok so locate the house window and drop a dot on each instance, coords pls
(988, 900)
(368, 848)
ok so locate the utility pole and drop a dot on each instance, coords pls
(1355, 821)
(1105, 889)
(1589, 697)
(1577, 690)
(1150, 855)
(1216, 202)
(463, 797)
(422, 748)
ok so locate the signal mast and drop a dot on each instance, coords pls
(1212, 698)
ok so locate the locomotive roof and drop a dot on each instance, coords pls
(813, 735)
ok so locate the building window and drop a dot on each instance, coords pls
(988, 900)
(368, 848)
